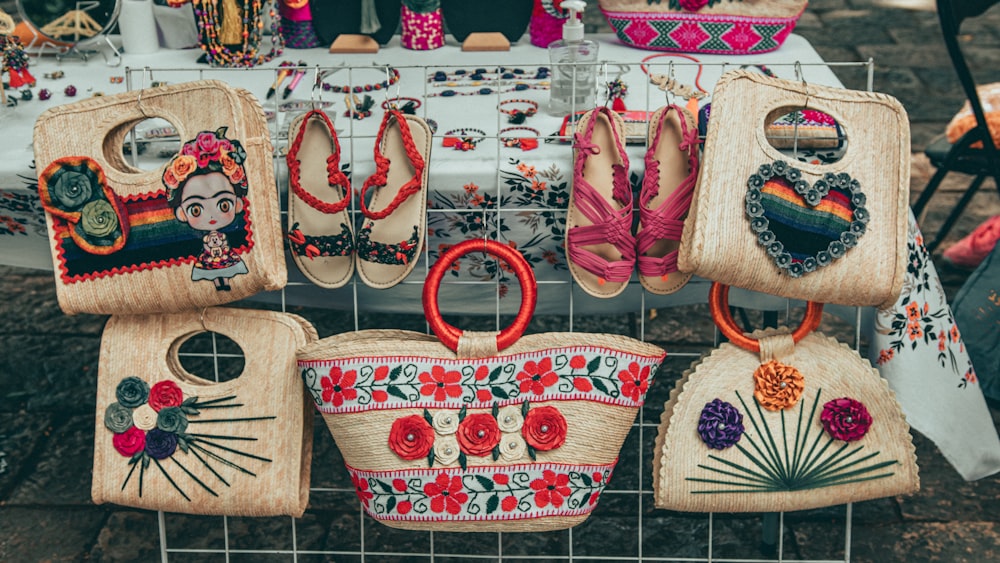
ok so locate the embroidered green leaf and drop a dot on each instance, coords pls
(463, 461)
(395, 392)
(499, 392)
(495, 411)
(532, 454)
(586, 497)
(461, 413)
(492, 504)
(390, 504)
(495, 374)
(485, 482)
(496, 453)
(600, 385)
(386, 488)
(428, 417)
(587, 481)
(430, 458)
(394, 374)
(594, 365)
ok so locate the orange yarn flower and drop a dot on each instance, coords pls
(777, 386)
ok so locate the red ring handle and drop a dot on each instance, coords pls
(449, 335)
(718, 304)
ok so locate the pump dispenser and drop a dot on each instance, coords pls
(574, 73)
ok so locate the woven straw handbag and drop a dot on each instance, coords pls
(202, 230)
(455, 435)
(782, 422)
(833, 233)
(166, 439)
(725, 27)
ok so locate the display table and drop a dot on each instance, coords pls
(518, 197)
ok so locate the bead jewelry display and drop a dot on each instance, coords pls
(519, 87)
(462, 139)
(523, 143)
(517, 115)
(210, 27)
(358, 108)
(347, 88)
(408, 106)
(617, 90)
(501, 73)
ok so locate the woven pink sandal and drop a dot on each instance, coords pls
(600, 247)
(667, 189)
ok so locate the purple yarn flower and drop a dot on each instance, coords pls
(720, 425)
(845, 419)
(160, 444)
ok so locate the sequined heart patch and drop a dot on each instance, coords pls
(804, 226)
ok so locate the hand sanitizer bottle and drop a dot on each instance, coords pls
(574, 73)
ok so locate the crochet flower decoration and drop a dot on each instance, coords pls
(777, 386)
(210, 151)
(720, 425)
(845, 419)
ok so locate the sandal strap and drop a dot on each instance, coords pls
(609, 226)
(379, 179)
(621, 188)
(334, 175)
(325, 245)
(655, 267)
(689, 143)
(400, 253)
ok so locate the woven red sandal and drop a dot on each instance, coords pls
(667, 189)
(320, 234)
(395, 224)
(600, 247)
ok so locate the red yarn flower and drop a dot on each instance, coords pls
(440, 383)
(411, 437)
(544, 428)
(361, 488)
(478, 434)
(129, 442)
(537, 376)
(339, 386)
(165, 394)
(635, 381)
(446, 494)
(552, 488)
(693, 5)
(845, 419)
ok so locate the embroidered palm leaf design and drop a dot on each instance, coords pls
(206, 449)
(776, 464)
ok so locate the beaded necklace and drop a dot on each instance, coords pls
(519, 87)
(346, 88)
(210, 24)
(499, 73)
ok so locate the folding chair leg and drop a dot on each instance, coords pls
(928, 193)
(956, 212)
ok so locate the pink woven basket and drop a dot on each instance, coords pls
(726, 27)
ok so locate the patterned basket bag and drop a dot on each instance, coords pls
(833, 233)
(166, 439)
(726, 27)
(780, 422)
(455, 435)
(202, 230)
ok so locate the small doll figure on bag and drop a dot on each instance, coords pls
(206, 183)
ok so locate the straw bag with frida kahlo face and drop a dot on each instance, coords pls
(202, 230)
(479, 440)
(166, 439)
(760, 220)
(780, 423)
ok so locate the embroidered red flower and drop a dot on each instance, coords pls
(552, 488)
(381, 373)
(508, 503)
(165, 394)
(361, 488)
(339, 386)
(404, 507)
(578, 362)
(129, 442)
(478, 434)
(441, 384)
(482, 372)
(845, 419)
(501, 479)
(544, 428)
(446, 494)
(537, 376)
(635, 381)
(484, 396)
(583, 384)
(399, 485)
(411, 437)
(913, 311)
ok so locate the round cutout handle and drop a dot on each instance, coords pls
(718, 303)
(448, 334)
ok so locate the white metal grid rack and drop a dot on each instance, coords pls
(624, 526)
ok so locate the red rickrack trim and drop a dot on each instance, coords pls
(448, 334)
(697, 78)
(718, 303)
(379, 179)
(334, 175)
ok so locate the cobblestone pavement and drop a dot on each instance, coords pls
(48, 364)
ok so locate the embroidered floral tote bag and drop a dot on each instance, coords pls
(780, 422)
(479, 431)
(201, 230)
(762, 220)
(728, 27)
(166, 439)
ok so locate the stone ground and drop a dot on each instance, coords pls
(48, 370)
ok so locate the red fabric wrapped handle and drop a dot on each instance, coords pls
(718, 303)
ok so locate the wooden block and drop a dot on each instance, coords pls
(351, 43)
(486, 41)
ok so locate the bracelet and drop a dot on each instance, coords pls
(358, 108)
(466, 142)
(523, 143)
(518, 116)
(669, 83)
(392, 79)
(501, 73)
(409, 108)
(519, 87)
